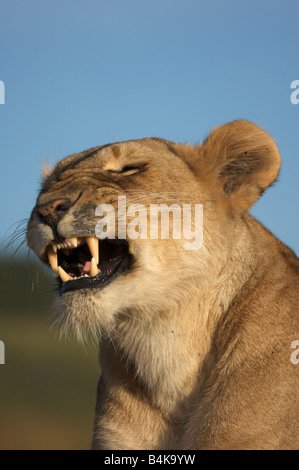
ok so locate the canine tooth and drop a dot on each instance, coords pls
(63, 275)
(74, 241)
(52, 257)
(69, 245)
(93, 245)
(93, 268)
(54, 247)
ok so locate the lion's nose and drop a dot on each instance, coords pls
(52, 211)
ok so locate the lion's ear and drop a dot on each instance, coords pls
(240, 160)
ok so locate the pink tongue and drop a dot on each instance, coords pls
(86, 269)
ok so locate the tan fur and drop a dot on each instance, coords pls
(195, 346)
(46, 170)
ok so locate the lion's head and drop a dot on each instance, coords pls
(102, 279)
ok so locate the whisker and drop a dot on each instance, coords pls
(18, 233)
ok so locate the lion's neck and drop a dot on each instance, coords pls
(168, 353)
(163, 357)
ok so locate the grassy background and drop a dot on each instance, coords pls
(48, 384)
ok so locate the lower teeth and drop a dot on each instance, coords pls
(80, 277)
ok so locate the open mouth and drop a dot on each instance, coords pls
(87, 262)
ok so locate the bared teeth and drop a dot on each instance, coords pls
(93, 245)
(74, 241)
(63, 275)
(52, 257)
(93, 268)
(69, 243)
(66, 246)
(54, 247)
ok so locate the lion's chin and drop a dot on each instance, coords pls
(84, 313)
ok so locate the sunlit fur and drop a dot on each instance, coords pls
(194, 345)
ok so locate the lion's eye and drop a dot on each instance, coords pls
(128, 169)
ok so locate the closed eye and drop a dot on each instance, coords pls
(128, 170)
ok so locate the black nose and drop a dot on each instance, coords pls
(52, 211)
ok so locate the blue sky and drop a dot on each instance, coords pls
(83, 73)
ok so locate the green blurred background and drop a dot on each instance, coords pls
(48, 383)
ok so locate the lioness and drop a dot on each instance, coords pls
(195, 344)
